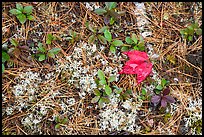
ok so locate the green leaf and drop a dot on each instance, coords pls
(108, 35)
(102, 82)
(30, 17)
(15, 11)
(135, 48)
(159, 87)
(50, 54)
(190, 38)
(95, 99)
(91, 28)
(113, 49)
(198, 31)
(111, 78)
(119, 90)
(117, 43)
(141, 46)
(100, 11)
(102, 29)
(101, 74)
(41, 57)
(50, 37)
(108, 90)
(110, 5)
(129, 92)
(48, 41)
(28, 9)
(19, 7)
(41, 48)
(102, 39)
(112, 20)
(3, 68)
(5, 56)
(55, 51)
(14, 42)
(124, 48)
(100, 102)
(105, 99)
(97, 92)
(91, 39)
(144, 91)
(134, 38)
(128, 40)
(57, 126)
(163, 82)
(21, 18)
(64, 120)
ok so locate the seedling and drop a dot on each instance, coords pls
(163, 98)
(124, 95)
(50, 38)
(73, 37)
(104, 83)
(97, 34)
(113, 43)
(22, 13)
(43, 53)
(189, 32)
(60, 121)
(133, 43)
(5, 57)
(161, 86)
(109, 12)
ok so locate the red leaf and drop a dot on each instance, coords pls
(163, 102)
(138, 64)
(155, 99)
(166, 91)
(169, 99)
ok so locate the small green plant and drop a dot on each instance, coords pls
(43, 53)
(109, 12)
(50, 38)
(97, 34)
(190, 31)
(123, 95)
(144, 95)
(103, 83)
(73, 37)
(22, 13)
(162, 94)
(113, 43)
(5, 57)
(60, 121)
(133, 42)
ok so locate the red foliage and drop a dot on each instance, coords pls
(138, 64)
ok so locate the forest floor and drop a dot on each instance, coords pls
(55, 56)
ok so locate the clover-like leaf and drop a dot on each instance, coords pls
(159, 87)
